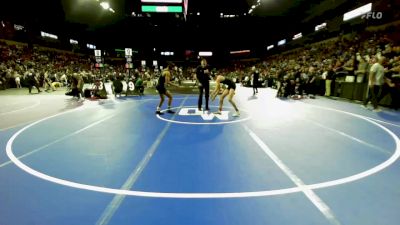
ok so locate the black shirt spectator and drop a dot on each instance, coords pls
(256, 77)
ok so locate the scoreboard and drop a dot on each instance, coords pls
(163, 1)
(165, 6)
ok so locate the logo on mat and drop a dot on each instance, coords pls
(204, 115)
(192, 116)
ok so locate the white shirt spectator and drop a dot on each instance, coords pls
(379, 72)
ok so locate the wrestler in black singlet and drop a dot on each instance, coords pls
(161, 85)
(229, 83)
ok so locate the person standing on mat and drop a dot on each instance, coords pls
(203, 80)
(165, 78)
(256, 76)
(229, 91)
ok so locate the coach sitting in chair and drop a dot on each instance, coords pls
(139, 85)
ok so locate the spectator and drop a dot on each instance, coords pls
(17, 79)
(375, 82)
(328, 80)
(361, 72)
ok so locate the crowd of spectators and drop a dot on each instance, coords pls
(23, 66)
(315, 69)
(322, 68)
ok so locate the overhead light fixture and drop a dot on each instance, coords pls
(111, 10)
(205, 53)
(105, 5)
(167, 53)
(357, 12)
(198, 13)
(270, 47)
(18, 27)
(240, 52)
(297, 36)
(47, 35)
(320, 27)
(72, 41)
(253, 6)
(90, 46)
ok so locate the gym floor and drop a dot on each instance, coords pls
(114, 162)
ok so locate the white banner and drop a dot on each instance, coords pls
(128, 52)
(97, 53)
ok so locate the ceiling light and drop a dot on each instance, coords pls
(205, 53)
(105, 5)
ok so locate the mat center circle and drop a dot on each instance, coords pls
(191, 115)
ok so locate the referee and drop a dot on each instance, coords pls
(203, 79)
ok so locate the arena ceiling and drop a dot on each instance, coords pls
(268, 23)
